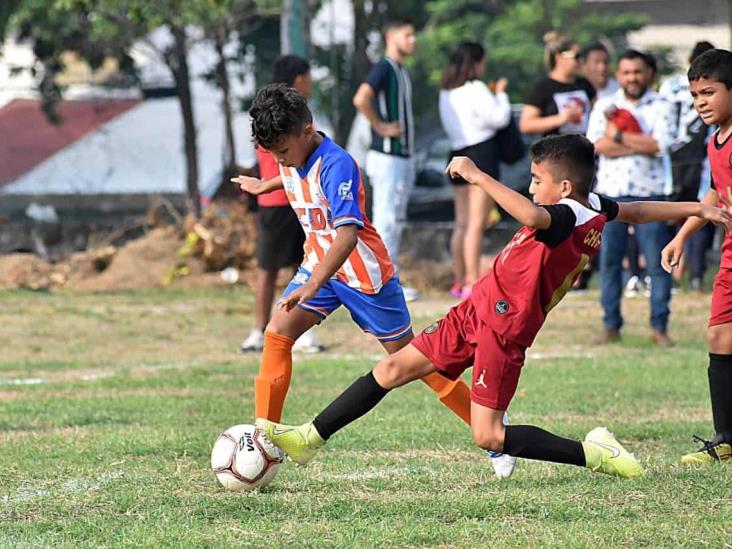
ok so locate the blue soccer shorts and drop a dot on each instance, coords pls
(384, 315)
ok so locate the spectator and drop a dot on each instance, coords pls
(689, 164)
(595, 66)
(386, 101)
(560, 102)
(471, 114)
(280, 237)
(631, 130)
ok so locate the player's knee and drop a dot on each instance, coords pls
(389, 372)
(488, 437)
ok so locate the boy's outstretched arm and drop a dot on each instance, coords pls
(671, 254)
(650, 211)
(343, 244)
(256, 186)
(516, 205)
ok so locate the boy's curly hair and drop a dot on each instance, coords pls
(277, 111)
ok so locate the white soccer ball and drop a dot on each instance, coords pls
(244, 459)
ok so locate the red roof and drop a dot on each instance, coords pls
(28, 138)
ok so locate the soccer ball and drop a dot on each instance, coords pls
(243, 459)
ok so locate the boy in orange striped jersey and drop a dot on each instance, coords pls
(346, 262)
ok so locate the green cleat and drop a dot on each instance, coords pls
(300, 443)
(605, 454)
(711, 451)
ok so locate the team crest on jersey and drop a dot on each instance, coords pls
(501, 307)
(288, 184)
(344, 190)
(432, 328)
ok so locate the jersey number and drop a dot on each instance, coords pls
(315, 218)
(560, 292)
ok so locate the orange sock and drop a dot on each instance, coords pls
(453, 394)
(275, 371)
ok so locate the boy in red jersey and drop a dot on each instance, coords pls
(490, 330)
(710, 76)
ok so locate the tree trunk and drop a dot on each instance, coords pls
(222, 76)
(178, 63)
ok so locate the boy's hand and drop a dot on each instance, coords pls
(303, 294)
(462, 166)
(671, 255)
(718, 216)
(252, 185)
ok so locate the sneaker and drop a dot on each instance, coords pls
(455, 290)
(308, 343)
(301, 443)
(711, 451)
(661, 339)
(466, 292)
(647, 284)
(605, 454)
(410, 294)
(632, 287)
(255, 342)
(503, 464)
(608, 335)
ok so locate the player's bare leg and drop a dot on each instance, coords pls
(453, 394)
(719, 343)
(275, 371)
(598, 452)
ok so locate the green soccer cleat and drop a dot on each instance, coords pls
(300, 443)
(605, 454)
(711, 451)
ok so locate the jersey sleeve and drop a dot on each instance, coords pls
(608, 207)
(378, 76)
(341, 183)
(562, 224)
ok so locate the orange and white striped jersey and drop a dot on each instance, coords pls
(325, 194)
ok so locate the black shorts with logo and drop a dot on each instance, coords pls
(280, 239)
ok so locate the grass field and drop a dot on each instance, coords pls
(109, 405)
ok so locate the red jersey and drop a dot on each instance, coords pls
(536, 269)
(268, 168)
(720, 162)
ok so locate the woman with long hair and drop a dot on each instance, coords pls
(560, 101)
(471, 114)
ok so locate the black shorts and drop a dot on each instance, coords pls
(280, 239)
(485, 156)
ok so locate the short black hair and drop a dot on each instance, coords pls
(287, 68)
(395, 23)
(595, 46)
(570, 156)
(712, 65)
(699, 48)
(277, 111)
(631, 54)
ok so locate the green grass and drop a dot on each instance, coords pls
(112, 447)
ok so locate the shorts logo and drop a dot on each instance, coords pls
(432, 328)
(344, 190)
(300, 278)
(501, 307)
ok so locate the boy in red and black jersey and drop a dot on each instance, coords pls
(490, 330)
(710, 76)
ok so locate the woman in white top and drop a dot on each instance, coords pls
(471, 115)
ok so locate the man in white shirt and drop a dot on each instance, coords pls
(632, 130)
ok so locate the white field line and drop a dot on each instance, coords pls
(22, 381)
(25, 494)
